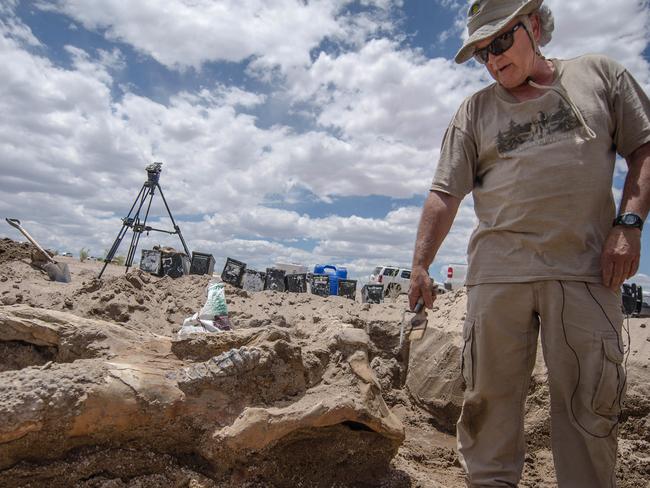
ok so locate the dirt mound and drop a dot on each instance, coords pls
(157, 304)
(13, 251)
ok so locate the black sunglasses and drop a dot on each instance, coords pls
(498, 46)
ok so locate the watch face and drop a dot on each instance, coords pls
(629, 219)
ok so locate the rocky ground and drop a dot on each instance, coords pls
(97, 390)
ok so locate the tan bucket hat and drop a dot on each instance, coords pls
(485, 18)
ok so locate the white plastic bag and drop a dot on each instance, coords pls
(191, 325)
(213, 317)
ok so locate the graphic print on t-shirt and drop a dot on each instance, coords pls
(543, 129)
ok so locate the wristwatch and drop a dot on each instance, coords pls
(629, 219)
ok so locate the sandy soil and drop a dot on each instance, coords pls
(427, 458)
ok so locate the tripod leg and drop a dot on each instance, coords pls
(176, 227)
(113, 250)
(118, 240)
(136, 234)
(131, 252)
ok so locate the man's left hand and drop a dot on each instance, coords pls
(620, 257)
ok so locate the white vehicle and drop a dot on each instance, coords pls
(395, 279)
(456, 274)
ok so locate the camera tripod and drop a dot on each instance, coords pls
(132, 220)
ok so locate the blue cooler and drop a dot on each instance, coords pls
(341, 274)
(334, 274)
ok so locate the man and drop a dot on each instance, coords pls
(537, 150)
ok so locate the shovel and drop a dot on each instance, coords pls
(56, 271)
(414, 323)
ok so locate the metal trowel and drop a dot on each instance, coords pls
(414, 323)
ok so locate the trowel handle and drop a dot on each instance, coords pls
(16, 223)
(419, 306)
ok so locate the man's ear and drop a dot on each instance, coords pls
(535, 24)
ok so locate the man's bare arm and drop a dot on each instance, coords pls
(437, 216)
(622, 249)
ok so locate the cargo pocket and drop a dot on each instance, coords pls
(467, 361)
(611, 386)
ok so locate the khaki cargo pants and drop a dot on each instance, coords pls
(581, 340)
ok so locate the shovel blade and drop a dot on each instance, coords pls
(58, 272)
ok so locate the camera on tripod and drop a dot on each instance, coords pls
(138, 224)
(153, 173)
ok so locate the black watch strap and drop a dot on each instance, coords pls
(629, 219)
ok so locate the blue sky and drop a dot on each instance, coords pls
(290, 131)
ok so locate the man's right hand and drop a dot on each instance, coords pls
(421, 286)
(437, 216)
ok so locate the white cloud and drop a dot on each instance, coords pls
(8, 7)
(188, 33)
(83, 64)
(234, 96)
(12, 28)
(385, 91)
(451, 4)
(618, 29)
(112, 60)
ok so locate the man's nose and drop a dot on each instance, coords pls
(492, 59)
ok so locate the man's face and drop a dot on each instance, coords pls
(511, 68)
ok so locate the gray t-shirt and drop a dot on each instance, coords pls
(542, 184)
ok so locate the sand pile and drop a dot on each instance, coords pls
(96, 390)
(12, 251)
